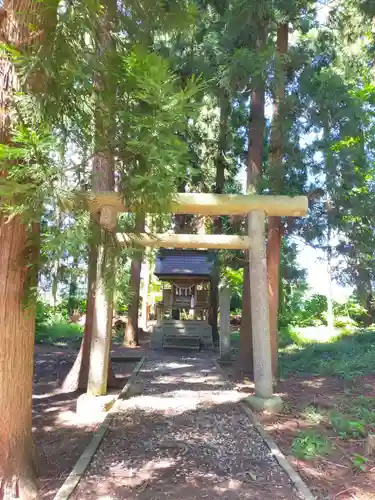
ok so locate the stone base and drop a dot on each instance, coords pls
(89, 405)
(272, 405)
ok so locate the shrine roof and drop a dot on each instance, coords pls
(184, 263)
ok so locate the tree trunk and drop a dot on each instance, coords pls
(73, 288)
(17, 312)
(101, 266)
(17, 329)
(330, 313)
(77, 377)
(244, 362)
(131, 330)
(276, 153)
(221, 164)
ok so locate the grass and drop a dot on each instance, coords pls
(346, 356)
(58, 332)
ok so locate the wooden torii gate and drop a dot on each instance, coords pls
(109, 204)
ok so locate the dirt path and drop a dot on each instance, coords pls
(60, 435)
(184, 437)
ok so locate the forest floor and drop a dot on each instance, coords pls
(327, 427)
(60, 435)
(184, 435)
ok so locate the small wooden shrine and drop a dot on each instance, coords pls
(182, 315)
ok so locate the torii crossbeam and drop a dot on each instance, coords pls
(108, 205)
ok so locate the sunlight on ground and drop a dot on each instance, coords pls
(178, 402)
(45, 395)
(191, 378)
(316, 383)
(317, 333)
(170, 366)
(135, 476)
(69, 418)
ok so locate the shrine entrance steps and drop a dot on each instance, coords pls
(189, 334)
(183, 436)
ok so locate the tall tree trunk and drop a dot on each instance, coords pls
(244, 362)
(17, 329)
(73, 287)
(330, 313)
(276, 153)
(17, 322)
(221, 164)
(99, 295)
(131, 330)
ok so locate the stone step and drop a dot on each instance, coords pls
(185, 342)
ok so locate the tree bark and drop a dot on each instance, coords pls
(330, 313)
(221, 164)
(73, 288)
(244, 362)
(131, 330)
(17, 312)
(17, 329)
(77, 377)
(101, 266)
(78, 374)
(276, 153)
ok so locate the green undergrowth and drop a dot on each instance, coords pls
(352, 419)
(58, 332)
(346, 355)
(308, 445)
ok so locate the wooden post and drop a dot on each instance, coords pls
(224, 305)
(146, 282)
(264, 398)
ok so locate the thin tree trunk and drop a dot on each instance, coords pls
(330, 314)
(221, 164)
(244, 362)
(276, 153)
(131, 330)
(17, 322)
(78, 375)
(73, 287)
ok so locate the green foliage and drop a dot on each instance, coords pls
(347, 428)
(359, 462)
(346, 356)
(363, 409)
(233, 278)
(293, 286)
(309, 445)
(47, 314)
(58, 332)
(52, 324)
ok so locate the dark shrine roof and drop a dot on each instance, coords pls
(184, 263)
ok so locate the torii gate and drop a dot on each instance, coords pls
(109, 204)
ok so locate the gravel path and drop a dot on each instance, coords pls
(184, 436)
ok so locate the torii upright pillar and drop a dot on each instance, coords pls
(264, 398)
